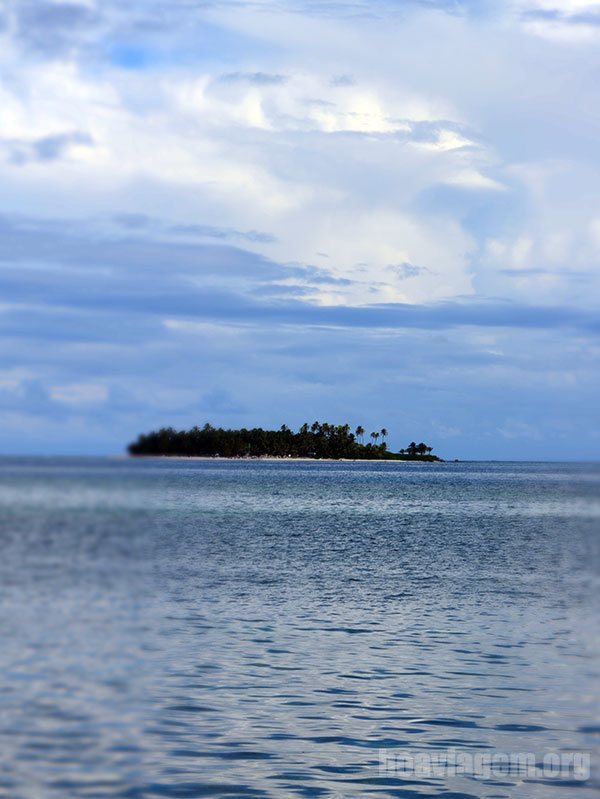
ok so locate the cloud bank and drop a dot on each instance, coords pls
(258, 212)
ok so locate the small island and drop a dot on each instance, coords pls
(317, 441)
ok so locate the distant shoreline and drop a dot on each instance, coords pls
(318, 441)
(277, 458)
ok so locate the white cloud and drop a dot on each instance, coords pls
(79, 393)
(336, 170)
(567, 21)
(325, 166)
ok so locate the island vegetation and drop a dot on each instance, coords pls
(319, 440)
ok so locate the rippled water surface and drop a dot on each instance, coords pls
(225, 629)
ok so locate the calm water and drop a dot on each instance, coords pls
(223, 629)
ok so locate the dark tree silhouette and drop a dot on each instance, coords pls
(320, 440)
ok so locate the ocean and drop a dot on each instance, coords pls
(173, 628)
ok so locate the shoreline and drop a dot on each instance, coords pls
(278, 458)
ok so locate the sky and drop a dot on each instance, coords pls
(380, 212)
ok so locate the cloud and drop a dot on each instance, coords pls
(256, 78)
(259, 212)
(79, 393)
(208, 231)
(49, 267)
(234, 157)
(147, 224)
(46, 148)
(570, 21)
(51, 28)
(405, 271)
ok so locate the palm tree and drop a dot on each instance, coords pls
(384, 434)
(375, 436)
(359, 432)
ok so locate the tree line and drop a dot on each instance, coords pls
(319, 440)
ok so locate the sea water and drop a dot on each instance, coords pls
(174, 628)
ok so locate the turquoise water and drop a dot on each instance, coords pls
(225, 629)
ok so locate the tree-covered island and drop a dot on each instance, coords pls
(319, 440)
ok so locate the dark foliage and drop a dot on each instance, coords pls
(319, 440)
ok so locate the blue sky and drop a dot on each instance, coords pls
(252, 213)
